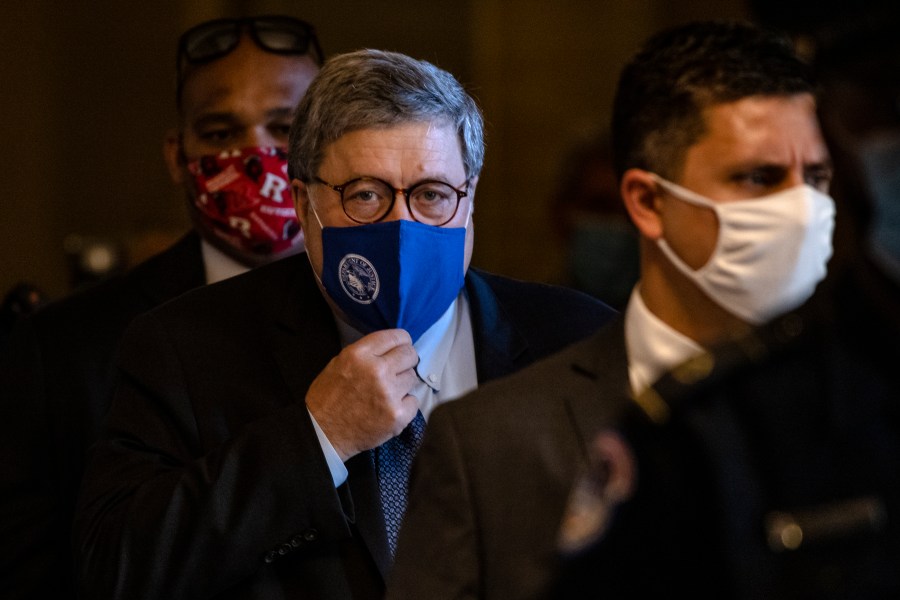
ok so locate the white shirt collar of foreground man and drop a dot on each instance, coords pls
(653, 348)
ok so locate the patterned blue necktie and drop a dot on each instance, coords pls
(394, 459)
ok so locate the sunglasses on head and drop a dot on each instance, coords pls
(212, 40)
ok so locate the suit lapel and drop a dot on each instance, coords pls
(304, 333)
(601, 363)
(499, 349)
(305, 340)
(363, 482)
(600, 387)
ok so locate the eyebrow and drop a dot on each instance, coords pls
(821, 165)
(280, 112)
(215, 118)
(421, 180)
(774, 167)
(230, 118)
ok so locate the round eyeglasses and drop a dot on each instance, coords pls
(369, 199)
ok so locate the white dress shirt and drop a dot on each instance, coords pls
(218, 265)
(653, 348)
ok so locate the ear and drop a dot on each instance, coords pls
(300, 194)
(473, 183)
(471, 195)
(173, 153)
(641, 197)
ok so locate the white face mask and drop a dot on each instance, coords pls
(771, 252)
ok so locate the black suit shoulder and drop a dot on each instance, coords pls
(551, 316)
(103, 310)
(74, 340)
(57, 378)
(241, 302)
(565, 396)
(552, 376)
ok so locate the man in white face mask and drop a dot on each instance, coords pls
(723, 170)
(735, 229)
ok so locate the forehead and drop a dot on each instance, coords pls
(248, 77)
(405, 151)
(776, 129)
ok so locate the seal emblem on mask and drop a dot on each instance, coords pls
(359, 279)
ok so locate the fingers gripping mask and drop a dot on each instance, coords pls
(770, 254)
(400, 274)
(244, 197)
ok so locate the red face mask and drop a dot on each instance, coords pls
(244, 197)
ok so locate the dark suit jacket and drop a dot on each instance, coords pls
(465, 534)
(797, 422)
(56, 382)
(211, 481)
(792, 428)
(799, 418)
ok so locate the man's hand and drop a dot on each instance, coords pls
(361, 399)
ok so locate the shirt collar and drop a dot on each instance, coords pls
(446, 356)
(218, 265)
(433, 347)
(653, 347)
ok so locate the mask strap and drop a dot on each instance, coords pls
(316, 215)
(690, 197)
(683, 193)
(316, 275)
(469, 216)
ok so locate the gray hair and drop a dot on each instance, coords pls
(375, 88)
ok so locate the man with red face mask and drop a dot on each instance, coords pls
(238, 83)
(235, 102)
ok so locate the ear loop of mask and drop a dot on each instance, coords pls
(469, 216)
(683, 193)
(312, 206)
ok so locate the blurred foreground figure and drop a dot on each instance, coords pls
(777, 456)
(724, 172)
(772, 464)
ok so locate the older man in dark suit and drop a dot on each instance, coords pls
(258, 441)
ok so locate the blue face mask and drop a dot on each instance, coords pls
(400, 274)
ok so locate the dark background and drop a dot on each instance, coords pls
(88, 93)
